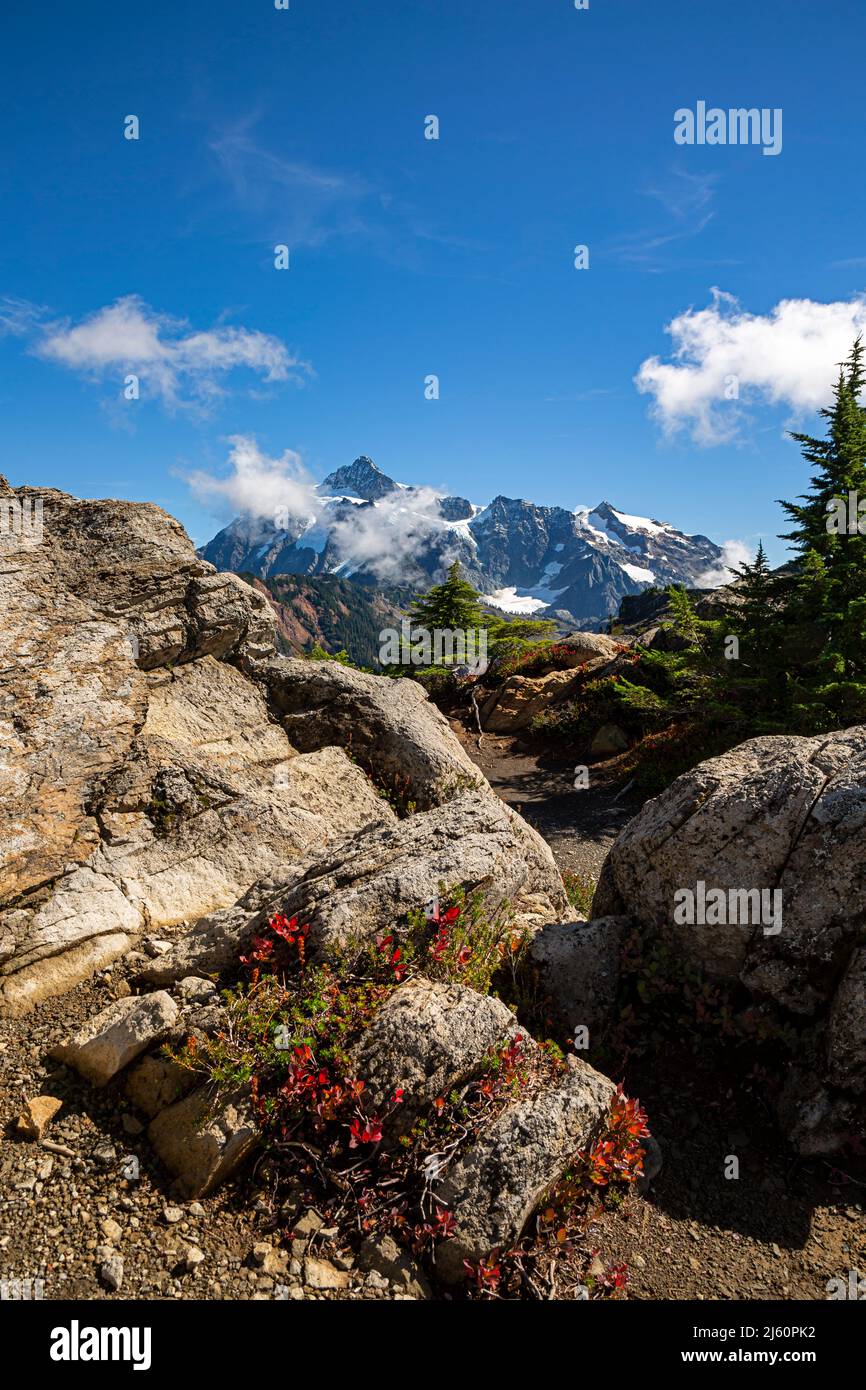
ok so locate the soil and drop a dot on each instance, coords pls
(786, 1226)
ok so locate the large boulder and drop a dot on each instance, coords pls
(498, 1181)
(428, 1038)
(576, 969)
(208, 796)
(144, 781)
(515, 701)
(783, 817)
(358, 890)
(846, 1031)
(390, 726)
(513, 705)
(781, 813)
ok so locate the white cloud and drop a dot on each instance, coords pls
(259, 486)
(178, 365)
(788, 356)
(388, 537)
(734, 554)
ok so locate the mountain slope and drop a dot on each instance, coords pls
(328, 612)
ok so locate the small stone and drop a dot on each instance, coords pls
(171, 1215)
(383, 1255)
(196, 1209)
(37, 1116)
(112, 1231)
(131, 1125)
(107, 1043)
(193, 1258)
(320, 1274)
(193, 990)
(111, 1273)
(154, 946)
(309, 1223)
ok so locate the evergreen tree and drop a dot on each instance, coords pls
(829, 588)
(756, 590)
(450, 606)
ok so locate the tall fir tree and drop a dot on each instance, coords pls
(829, 586)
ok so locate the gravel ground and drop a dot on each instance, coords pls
(69, 1212)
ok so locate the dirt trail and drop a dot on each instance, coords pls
(782, 1229)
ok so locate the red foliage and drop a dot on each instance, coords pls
(618, 1156)
(386, 945)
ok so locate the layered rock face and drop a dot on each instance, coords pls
(144, 781)
(779, 826)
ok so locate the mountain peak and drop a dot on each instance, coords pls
(362, 479)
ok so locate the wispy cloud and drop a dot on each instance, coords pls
(687, 200)
(682, 193)
(725, 359)
(179, 365)
(303, 205)
(280, 198)
(19, 318)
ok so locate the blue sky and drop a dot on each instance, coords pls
(412, 257)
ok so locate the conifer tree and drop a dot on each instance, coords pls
(450, 606)
(829, 588)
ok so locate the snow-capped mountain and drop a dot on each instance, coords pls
(523, 558)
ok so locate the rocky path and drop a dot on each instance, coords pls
(579, 825)
(788, 1225)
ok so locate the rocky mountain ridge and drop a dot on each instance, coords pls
(522, 557)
